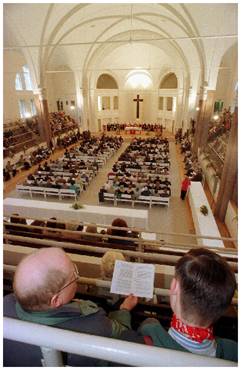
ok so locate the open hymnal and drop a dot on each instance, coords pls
(133, 278)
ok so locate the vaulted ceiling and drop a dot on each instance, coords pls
(82, 37)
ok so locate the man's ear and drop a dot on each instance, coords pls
(56, 301)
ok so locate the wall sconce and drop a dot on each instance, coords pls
(197, 109)
(72, 107)
(216, 117)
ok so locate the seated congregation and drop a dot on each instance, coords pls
(45, 285)
(61, 122)
(73, 172)
(24, 162)
(141, 174)
(20, 135)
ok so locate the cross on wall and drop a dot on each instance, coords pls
(138, 101)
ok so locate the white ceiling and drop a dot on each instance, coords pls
(104, 36)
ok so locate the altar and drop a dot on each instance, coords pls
(64, 211)
(204, 225)
(133, 129)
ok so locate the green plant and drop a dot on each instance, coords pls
(77, 205)
(204, 210)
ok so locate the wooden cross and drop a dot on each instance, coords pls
(138, 100)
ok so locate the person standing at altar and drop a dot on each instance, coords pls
(184, 187)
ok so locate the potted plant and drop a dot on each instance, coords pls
(77, 205)
(204, 210)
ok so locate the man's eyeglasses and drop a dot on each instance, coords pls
(76, 277)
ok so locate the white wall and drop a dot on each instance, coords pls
(61, 86)
(227, 77)
(127, 107)
(12, 63)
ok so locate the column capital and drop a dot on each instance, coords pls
(41, 92)
(203, 92)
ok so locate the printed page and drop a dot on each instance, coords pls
(133, 278)
(122, 278)
(143, 280)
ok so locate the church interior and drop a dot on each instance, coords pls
(120, 133)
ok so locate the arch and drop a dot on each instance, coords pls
(140, 79)
(106, 81)
(169, 81)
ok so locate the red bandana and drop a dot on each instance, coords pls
(192, 332)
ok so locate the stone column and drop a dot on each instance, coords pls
(79, 100)
(198, 127)
(179, 108)
(43, 115)
(230, 171)
(85, 103)
(204, 117)
(207, 117)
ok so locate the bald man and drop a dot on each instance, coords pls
(45, 283)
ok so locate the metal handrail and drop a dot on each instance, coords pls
(109, 349)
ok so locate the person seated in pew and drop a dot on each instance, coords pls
(53, 224)
(37, 223)
(119, 191)
(108, 263)
(166, 182)
(80, 227)
(61, 180)
(200, 293)
(45, 283)
(26, 164)
(165, 192)
(40, 168)
(30, 177)
(15, 219)
(145, 191)
(106, 273)
(91, 228)
(6, 175)
(130, 190)
(47, 167)
(120, 223)
(74, 186)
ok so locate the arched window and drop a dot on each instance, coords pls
(33, 108)
(106, 81)
(22, 108)
(23, 79)
(169, 82)
(18, 82)
(27, 78)
(139, 80)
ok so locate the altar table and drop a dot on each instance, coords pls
(204, 225)
(93, 214)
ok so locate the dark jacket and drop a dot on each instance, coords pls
(98, 323)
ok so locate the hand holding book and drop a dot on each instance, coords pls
(133, 278)
(129, 303)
